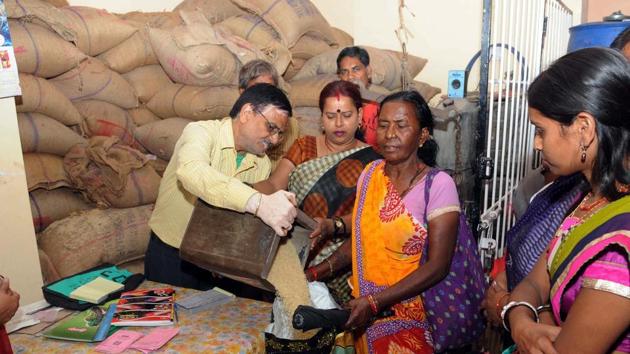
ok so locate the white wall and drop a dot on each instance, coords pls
(18, 249)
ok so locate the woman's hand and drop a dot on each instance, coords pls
(535, 338)
(323, 230)
(360, 313)
(496, 297)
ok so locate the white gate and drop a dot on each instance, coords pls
(524, 38)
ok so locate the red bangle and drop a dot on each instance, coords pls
(313, 273)
(373, 304)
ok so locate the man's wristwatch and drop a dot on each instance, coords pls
(337, 225)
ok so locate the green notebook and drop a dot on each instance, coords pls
(91, 325)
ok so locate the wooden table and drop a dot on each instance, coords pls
(235, 327)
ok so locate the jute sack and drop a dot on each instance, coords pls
(305, 92)
(41, 52)
(291, 19)
(193, 102)
(58, 3)
(153, 19)
(426, 91)
(49, 272)
(41, 13)
(309, 120)
(342, 38)
(142, 115)
(105, 119)
(147, 81)
(158, 165)
(215, 10)
(254, 30)
(112, 174)
(200, 64)
(53, 205)
(45, 171)
(293, 68)
(160, 137)
(40, 133)
(90, 238)
(308, 46)
(39, 95)
(97, 30)
(132, 53)
(385, 64)
(92, 80)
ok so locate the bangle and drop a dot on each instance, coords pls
(332, 271)
(513, 304)
(259, 202)
(373, 304)
(313, 273)
(543, 308)
(498, 305)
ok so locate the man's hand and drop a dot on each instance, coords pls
(278, 210)
(9, 301)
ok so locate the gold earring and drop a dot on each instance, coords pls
(583, 155)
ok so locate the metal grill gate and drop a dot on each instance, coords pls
(520, 39)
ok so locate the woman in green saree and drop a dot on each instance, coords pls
(323, 170)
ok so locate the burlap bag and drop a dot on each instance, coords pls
(308, 46)
(112, 174)
(97, 30)
(105, 119)
(193, 102)
(342, 38)
(147, 81)
(50, 206)
(291, 19)
(58, 3)
(92, 80)
(49, 272)
(191, 61)
(41, 13)
(309, 120)
(41, 52)
(305, 92)
(153, 19)
(160, 137)
(39, 95)
(293, 68)
(215, 10)
(40, 133)
(142, 115)
(93, 237)
(132, 53)
(426, 91)
(45, 171)
(385, 64)
(254, 30)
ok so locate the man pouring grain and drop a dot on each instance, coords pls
(217, 161)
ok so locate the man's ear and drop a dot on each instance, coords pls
(244, 114)
(368, 69)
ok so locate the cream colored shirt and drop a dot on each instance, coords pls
(204, 165)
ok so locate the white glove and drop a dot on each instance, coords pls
(278, 211)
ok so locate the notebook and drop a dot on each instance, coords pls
(91, 325)
(96, 291)
(147, 307)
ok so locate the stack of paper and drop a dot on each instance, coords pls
(96, 291)
(204, 300)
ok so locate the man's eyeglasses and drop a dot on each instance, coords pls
(272, 128)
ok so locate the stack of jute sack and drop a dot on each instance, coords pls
(106, 96)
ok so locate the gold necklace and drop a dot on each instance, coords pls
(330, 148)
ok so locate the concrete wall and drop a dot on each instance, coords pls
(18, 250)
(596, 10)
